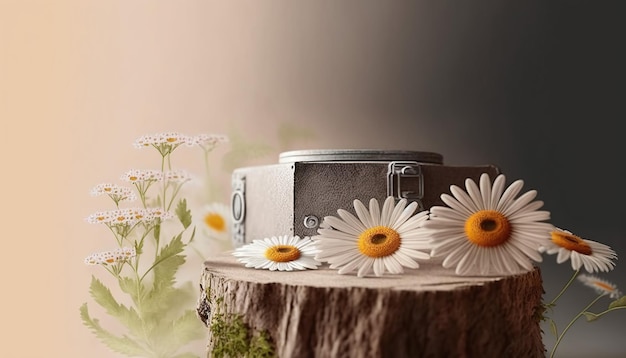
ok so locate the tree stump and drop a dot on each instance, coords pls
(426, 312)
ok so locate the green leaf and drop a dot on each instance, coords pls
(102, 295)
(590, 316)
(620, 302)
(184, 214)
(130, 286)
(128, 317)
(193, 234)
(164, 270)
(553, 328)
(157, 232)
(139, 247)
(188, 328)
(123, 344)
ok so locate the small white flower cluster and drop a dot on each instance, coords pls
(116, 192)
(137, 176)
(206, 141)
(128, 216)
(170, 138)
(142, 176)
(122, 254)
(177, 176)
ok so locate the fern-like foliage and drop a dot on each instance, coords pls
(156, 312)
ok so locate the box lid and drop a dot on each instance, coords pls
(348, 155)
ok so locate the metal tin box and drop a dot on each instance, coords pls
(293, 196)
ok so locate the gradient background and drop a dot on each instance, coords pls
(534, 87)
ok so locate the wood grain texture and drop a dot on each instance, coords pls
(426, 312)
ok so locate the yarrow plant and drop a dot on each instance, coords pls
(157, 312)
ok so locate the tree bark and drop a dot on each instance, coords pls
(426, 312)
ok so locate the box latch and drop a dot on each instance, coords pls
(405, 181)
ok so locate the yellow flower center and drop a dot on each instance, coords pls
(571, 242)
(379, 241)
(488, 228)
(604, 286)
(133, 178)
(171, 140)
(215, 221)
(282, 253)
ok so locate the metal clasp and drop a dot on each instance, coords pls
(405, 181)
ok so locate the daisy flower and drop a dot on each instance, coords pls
(382, 240)
(215, 221)
(594, 256)
(601, 286)
(486, 230)
(282, 253)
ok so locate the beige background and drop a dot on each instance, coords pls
(80, 80)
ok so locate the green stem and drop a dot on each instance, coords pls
(164, 180)
(598, 315)
(174, 194)
(553, 302)
(569, 325)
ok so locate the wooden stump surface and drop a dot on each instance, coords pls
(426, 312)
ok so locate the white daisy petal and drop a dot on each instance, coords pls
(509, 194)
(349, 266)
(404, 216)
(341, 225)
(497, 189)
(387, 211)
(535, 205)
(405, 260)
(392, 265)
(519, 203)
(485, 191)
(351, 220)
(363, 214)
(474, 193)
(445, 212)
(365, 266)
(374, 212)
(397, 211)
(454, 205)
(463, 198)
(563, 255)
